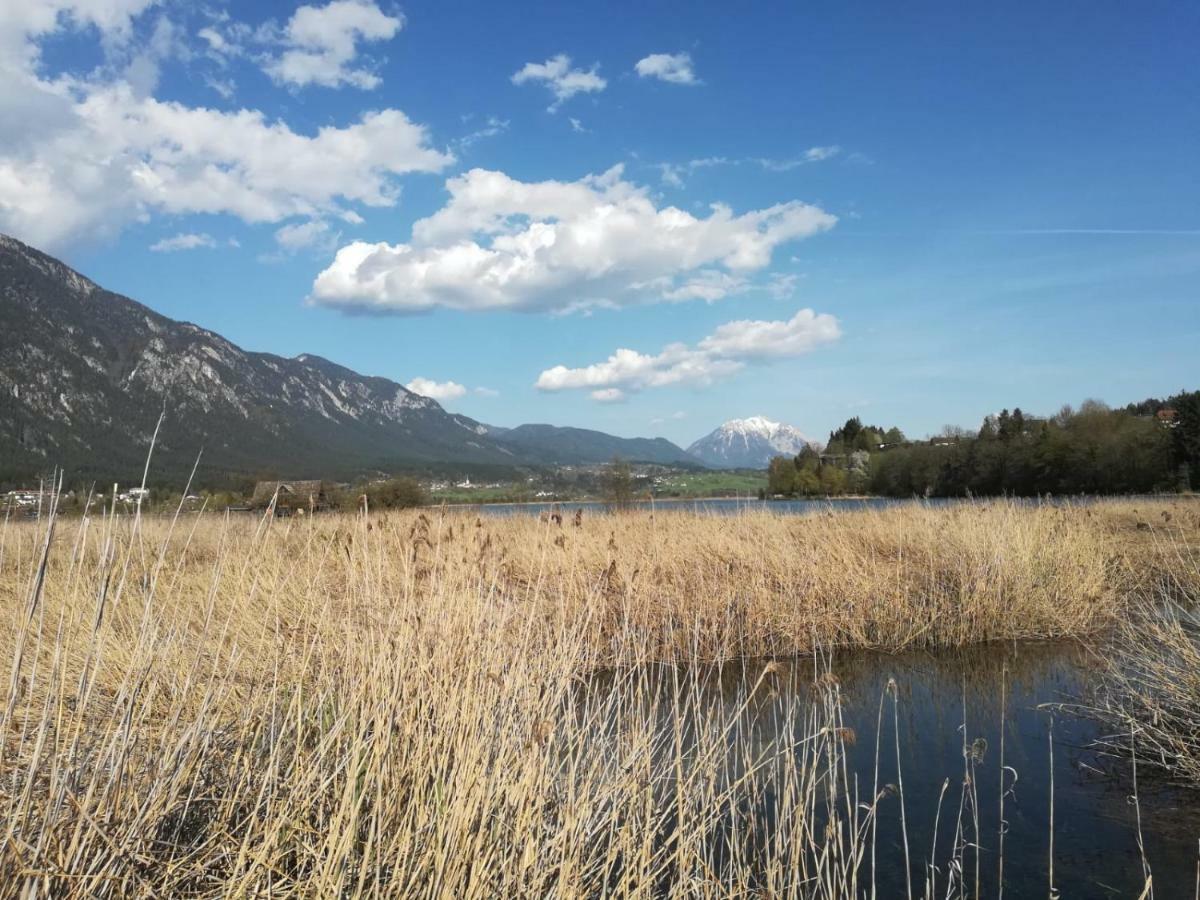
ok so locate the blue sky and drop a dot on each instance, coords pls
(644, 218)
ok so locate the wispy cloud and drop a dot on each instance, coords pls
(560, 79)
(809, 156)
(183, 242)
(675, 174)
(314, 233)
(781, 285)
(676, 416)
(492, 126)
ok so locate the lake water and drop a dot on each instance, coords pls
(732, 506)
(1095, 830)
(712, 506)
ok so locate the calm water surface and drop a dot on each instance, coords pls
(717, 506)
(731, 506)
(1095, 819)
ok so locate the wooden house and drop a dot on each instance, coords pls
(1167, 417)
(290, 496)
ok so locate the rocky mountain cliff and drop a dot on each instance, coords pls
(85, 373)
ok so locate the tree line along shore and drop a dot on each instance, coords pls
(1147, 447)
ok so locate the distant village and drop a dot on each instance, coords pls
(33, 500)
(311, 495)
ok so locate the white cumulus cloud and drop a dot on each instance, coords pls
(21, 21)
(556, 246)
(116, 157)
(85, 157)
(183, 242)
(675, 68)
(561, 80)
(322, 44)
(436, 390)
(751, 339)
(720, 354)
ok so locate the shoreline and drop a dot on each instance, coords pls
(705, 499)
(591, 501)
(825, 499)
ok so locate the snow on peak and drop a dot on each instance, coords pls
(752, 425)
(749, 442)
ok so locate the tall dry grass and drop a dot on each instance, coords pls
(680, 585)
(390, 705)
(1151, 691)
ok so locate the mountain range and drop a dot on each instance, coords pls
(85, 373)
(582, 446)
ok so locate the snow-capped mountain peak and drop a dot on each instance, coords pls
(748, 443)
(753, 425)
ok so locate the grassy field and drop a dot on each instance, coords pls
(712, 484)
(388, 705)
(508, 493)
(677, 484)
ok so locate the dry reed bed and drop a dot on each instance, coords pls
(654, 587)
(1151, 691)
(1151, 694)
(687, 586)
(390, 705)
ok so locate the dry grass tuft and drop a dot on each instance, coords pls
(1151, 689)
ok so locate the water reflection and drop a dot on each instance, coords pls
(943, 719)
(733, 506)
(710, 506)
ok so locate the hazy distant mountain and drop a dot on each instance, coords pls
(580, 445)
(748, 443)
(84, 374)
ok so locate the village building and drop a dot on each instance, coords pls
(291, 496)
(25, 497)
(28, 502)
(1167, 417)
